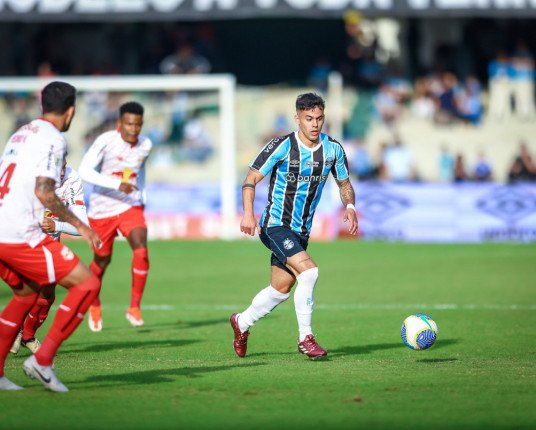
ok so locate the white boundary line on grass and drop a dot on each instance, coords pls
(350, 306)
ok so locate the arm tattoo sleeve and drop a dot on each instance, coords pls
(45, 189)
(346, 191)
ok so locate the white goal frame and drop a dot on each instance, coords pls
(225, 84)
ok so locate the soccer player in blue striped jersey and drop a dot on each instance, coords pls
(299, 165)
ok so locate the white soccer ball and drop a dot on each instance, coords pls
(419, 331)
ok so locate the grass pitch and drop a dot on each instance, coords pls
(180, 371)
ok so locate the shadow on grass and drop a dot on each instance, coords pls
(110, 346)
(183, 325)
(367, 349)
(159, 376)
(436, 360)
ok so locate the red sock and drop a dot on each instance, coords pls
(69, 315)
(10, 322)
(140, 269)
(36, 317)
(99, 273)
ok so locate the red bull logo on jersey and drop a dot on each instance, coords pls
(125, 175)
(291, 177)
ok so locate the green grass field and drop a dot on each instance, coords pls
(180, 371)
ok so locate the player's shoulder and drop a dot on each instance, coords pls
(72, 175)
(145, 142)
(332, 142)
(278, 141)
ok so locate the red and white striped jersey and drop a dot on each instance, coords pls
(35, 150)
(107, 163)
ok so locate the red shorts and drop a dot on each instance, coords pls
(45, 264)
(107, 228)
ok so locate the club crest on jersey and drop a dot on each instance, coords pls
(329, 162)
(67, 254)
(288, 244)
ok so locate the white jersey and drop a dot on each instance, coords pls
(71, 194)
(36, 149)
(109, 162)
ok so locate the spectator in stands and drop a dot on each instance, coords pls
(359, 161)
(523, 167)
(386, 105)
(523, 81)
(185, 61)
(447, 109)
(469, 101)
(446, 165)
(399, 162)
(460, 173)
(422, 104)
(319, 74)
(500, 86)
(196, 145)
(482, 170)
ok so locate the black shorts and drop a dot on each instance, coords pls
(284, 243)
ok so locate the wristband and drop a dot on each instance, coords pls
(350, 206)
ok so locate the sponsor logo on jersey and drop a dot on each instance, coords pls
(291, 177)
(311, 164)
(294, 163)
(288, 244)
(67, 254)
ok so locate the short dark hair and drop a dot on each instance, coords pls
(309, 101)
(57, 97)
(131, 107)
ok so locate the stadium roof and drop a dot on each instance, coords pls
(205, 10)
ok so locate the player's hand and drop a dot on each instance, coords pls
(351, 216)
(249, 224)
(127, 188)
(48, 225)
(92, 237)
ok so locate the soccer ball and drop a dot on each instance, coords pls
(419, 331)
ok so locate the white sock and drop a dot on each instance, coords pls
(304, 300)
(263, 303)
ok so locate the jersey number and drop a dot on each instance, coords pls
(5, 177)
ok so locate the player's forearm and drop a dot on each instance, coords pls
(65, 227)
(346, 192)
(90, 175)
(248, 197)
(45, 192)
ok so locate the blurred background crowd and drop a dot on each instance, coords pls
(415, 90)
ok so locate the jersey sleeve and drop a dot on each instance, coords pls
(340, 166)
(274, 151)
(88, 167)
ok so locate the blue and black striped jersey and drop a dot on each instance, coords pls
(299, 174)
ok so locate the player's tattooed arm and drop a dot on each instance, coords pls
(249, 223)
(348, 199)
(45, 192)
(347, 192)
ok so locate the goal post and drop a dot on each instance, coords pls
(224, 84)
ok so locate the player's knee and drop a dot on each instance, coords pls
(141, 257)
(103, 260)
(92, 283)
(29, 296)
(309, 276)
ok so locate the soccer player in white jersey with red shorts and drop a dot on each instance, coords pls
(30, 259)
(71, 193)
(115, 165)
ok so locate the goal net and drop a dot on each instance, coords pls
(191, 173)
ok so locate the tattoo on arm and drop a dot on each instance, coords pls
(346, 191)
(248, 186)
(45, 191)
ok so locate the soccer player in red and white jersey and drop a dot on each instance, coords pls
(29, 171)
(115, 165)
(71, 193)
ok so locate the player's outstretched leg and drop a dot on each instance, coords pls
(140, 270)
(35, 319)
(263, 303)
(95, 310)
(11, 320)
(304, 304)
(69, 316)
